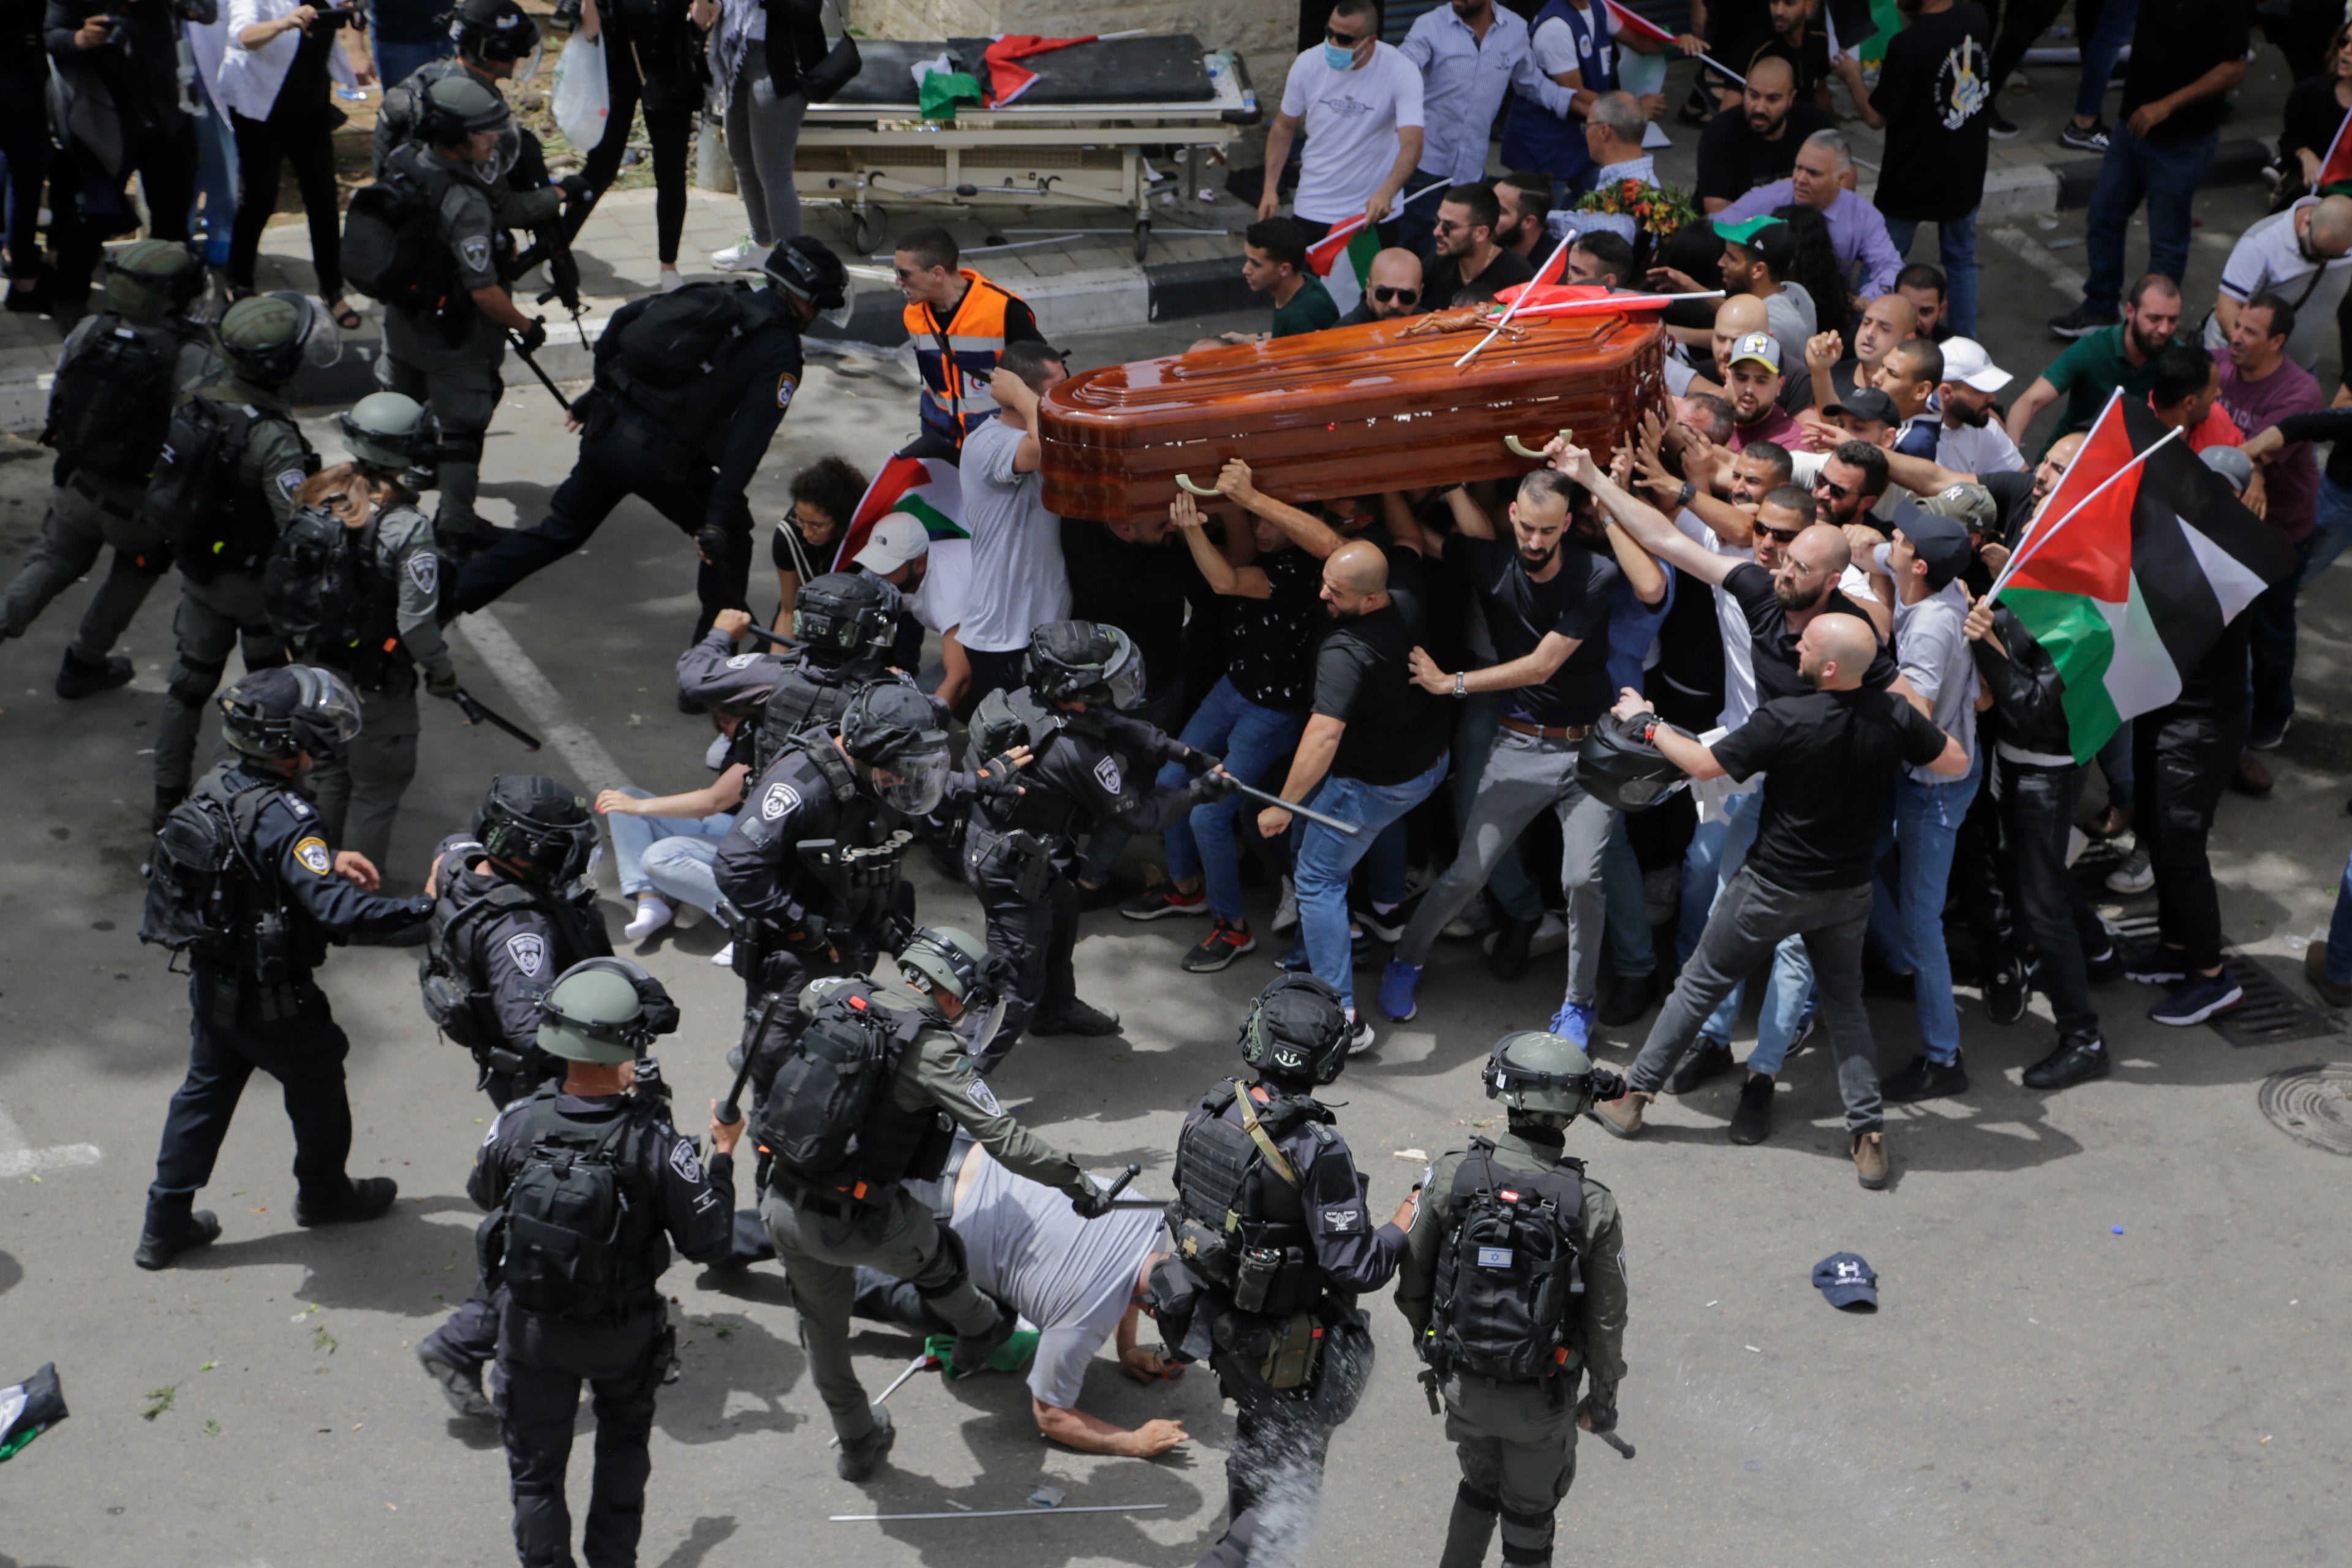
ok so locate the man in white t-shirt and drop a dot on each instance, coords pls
(937, 585)
(2302, 255)
(1970, 439)
(1358, 100)
(1077, 1282)
(1018, 580)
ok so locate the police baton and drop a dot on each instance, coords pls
(477, 714)
(514, 340)
(1268, 797)
(778, 638)
(1614, 1441)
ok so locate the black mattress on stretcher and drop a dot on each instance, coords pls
(1115, 72)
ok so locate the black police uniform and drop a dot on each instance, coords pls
(694, 476)
(1320, 1230)
(1018, 854)
(622, 1355)
(716, 671)
(277, 1021)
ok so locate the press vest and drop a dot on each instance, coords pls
(955, 365)
(1534, 137)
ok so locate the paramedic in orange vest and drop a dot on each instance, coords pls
(960, 323)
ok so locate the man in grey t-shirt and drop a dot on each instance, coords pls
(1018, 581)
(1077, 1282)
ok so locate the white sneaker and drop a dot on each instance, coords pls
(744, 256)
(1286, 913)
(714, 756)
(671, 279)
(1476, 921)
(2136, 875)
(653, 913)
(724, 958)
(1551, 934)
(1360, 1035)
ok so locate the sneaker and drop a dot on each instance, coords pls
(744, 256)
(2315, 968)
(2136, 875)
(860, 1459)
(1573, 1023)
(1397, 982)
(463, 1389)
(1870, 1168)
(1629, 1000)
(2104, 968)
(2074, 1061)
(2198, 998)
(2001, 129)
(2091, 138)
(1074, 1017)
(1710, 1060)
(1387, 927)
(77, 680)
(2005, 991)
(1507, 947)
(1622, 1116)
(1751, 1121)
(1162, 899)
(1285, 910)
(724, 958)
(2266, 739)
(1551, 934)
(371, 1197)
(1360, 1035)
(653, 913)
(2251, 777)
(157, 1248)
(1227, 941)
(1924, 1078)
(2081, 323)
(2157, 967)
(1476, 920)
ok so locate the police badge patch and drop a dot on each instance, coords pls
(741, 661)
(682, 1160)
(425, 570)
(529, 949)
(290, 481)
(476, 253)
(984, 1097)
(312, 853)
(1107, 775)
(780, 799)
(787, 383)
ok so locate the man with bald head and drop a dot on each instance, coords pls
(2304, 256)
(1391, 289)
(1738, 152)
(1828, 757)
(1375, 747)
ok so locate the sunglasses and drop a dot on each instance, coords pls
(1344, 40)
(1383, 293)
(1836, 490)
(1779, 535)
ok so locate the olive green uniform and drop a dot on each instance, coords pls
(213, 616)
(1517, 1441)
(823, 1243)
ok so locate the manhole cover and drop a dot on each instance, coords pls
(2312, 1104)
(2271, 1015)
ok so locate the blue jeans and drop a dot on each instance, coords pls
(1790, 989)
(2116, 18)
(1254, 741)
(1630, 952)
(1474, 742)
(2339, 932)
(1907, 919)
(2114, 760)
(2164, 175)
(1955, 241)
(216, 176)
(2333, 531)
(394, 61)
(668, 855)
(1325, 859)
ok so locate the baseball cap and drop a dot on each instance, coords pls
(1866, 403)
(1761, 347)
(2232, 464)
(1965, 360)
(1846, 1280)
(1972, 504)
(896, 539)
(1941, 542)
(1771, 239)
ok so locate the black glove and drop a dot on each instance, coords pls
(710, 539)
(998, 781)
(442, 684)
(1197, 762)
(1608, 1083)
(533, 338)
(1093, 1203)
(1601, 1412)
(1212, 787)
(576, 188)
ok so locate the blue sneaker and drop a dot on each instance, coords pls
(1573, 1023)
(2198, 998)
(1397, 982)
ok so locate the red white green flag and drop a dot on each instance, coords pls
(1343, 259)
(930, 491)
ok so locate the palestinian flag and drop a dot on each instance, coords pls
(1343, 259)
(930, 490)
(29, 1409)
(2335, 169)
(2145, 557)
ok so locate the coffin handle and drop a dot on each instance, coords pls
(1519, 448)
(1185, 482)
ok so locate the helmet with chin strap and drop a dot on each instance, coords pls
(1546, 1078)
(1296, 1032)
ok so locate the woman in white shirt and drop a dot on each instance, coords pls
(274, 82)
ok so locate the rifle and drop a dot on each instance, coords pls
(477, 714)
(514, 340)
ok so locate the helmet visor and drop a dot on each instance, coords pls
(838, 317)
(329, 714)
(528, 66)
(1124, 673)
(505, 147)
(323, 341)
(979, 1023)
(914, 782)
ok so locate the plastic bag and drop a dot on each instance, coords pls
(582, 100)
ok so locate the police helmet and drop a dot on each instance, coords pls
(839, 615)
(383, 430)
(498, 32)
(605, 1011)
(151, 280)
(456, 107)
(1297, 1031)
(1545, 1077)
(1079, 661)
(537, 823)
(279, 714)
(806, 268)
(1616, 765)
(950, 959)
(893, 733)
(267, 337)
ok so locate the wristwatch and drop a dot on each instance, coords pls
(1649, 728)
(1683, 501)
(1460, 687)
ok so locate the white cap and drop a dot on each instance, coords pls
(896, 539)
(1965, 361)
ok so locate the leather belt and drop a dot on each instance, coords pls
(106, 503)
(1547, 732)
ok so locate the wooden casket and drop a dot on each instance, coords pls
(1350, 411)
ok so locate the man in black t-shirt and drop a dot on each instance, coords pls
(1757, 144)
(1373, 749)
(1547, 604)
(1468, 262)
(1829, 759)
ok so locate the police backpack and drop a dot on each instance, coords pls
(200, 884)
(392, 249)
(450, 974)
(573, 1236)
(1510, 1296)
(111, 402)
(195, 499)
(312, 586)
(670, 354)
(820, 1114)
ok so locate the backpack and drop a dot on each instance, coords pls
(203, 892)
(450, 973)
(313, 585)
(391, 247)
(573, 1237)
(1509, 1293)
(668, 358)
(829, 1107)
(195, 499)
(111, 402)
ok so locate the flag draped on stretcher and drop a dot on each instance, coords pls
(1006, 80)
(1343, 259)
(2148, 557)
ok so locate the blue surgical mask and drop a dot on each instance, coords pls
(1337, 59)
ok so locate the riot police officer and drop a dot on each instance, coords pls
(443, 345)
(248, 884)
(847, 626)
(853, 1112)
(516, 909)
(118, 376)
(690, 386)
(354, 584)
(1513, 1281)
(593, 1170)
(224, 487)
(1274, 1243)
(1018, 853)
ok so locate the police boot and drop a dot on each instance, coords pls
(76, 680)
(860, 1459)
(1470, 1529)
(463, 1390)
(971, 1350)
(368, 1198)
(158, 1247)
(1073, 1017)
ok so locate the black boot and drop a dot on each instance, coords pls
(158, 1247)
(369, 1198)
(971, 1350)
(77, 680)
(860, 1459)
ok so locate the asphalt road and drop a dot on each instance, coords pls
(2107, 1314)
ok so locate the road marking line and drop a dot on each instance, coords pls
(541, 702)
(2036, 255)
(18, 1159)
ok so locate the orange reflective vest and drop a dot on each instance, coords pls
(955, 364)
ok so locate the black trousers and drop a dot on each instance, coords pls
(25, 142)
(2180, 764)
(542, 1361)
(671, 132)
(623, 460)
(1005, 671)
(2037, 808)
(306, 143)
(1036, 938)
(470, 1336)
(288, 1033)
(1274, 1480)
(2020, 22)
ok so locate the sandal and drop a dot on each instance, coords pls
(344, 316)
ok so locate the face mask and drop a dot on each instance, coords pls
(1337, 59)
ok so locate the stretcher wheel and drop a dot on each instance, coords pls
(865, 228)
(1142, 238)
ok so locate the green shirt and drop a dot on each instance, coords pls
(1604, 1265)
(1309, 311)
(2086, 373)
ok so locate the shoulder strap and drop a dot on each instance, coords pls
(826, 758)
(1275, 1159)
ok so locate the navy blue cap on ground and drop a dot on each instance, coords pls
(1845, 1280)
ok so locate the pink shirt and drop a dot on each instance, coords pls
(1775, 426)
